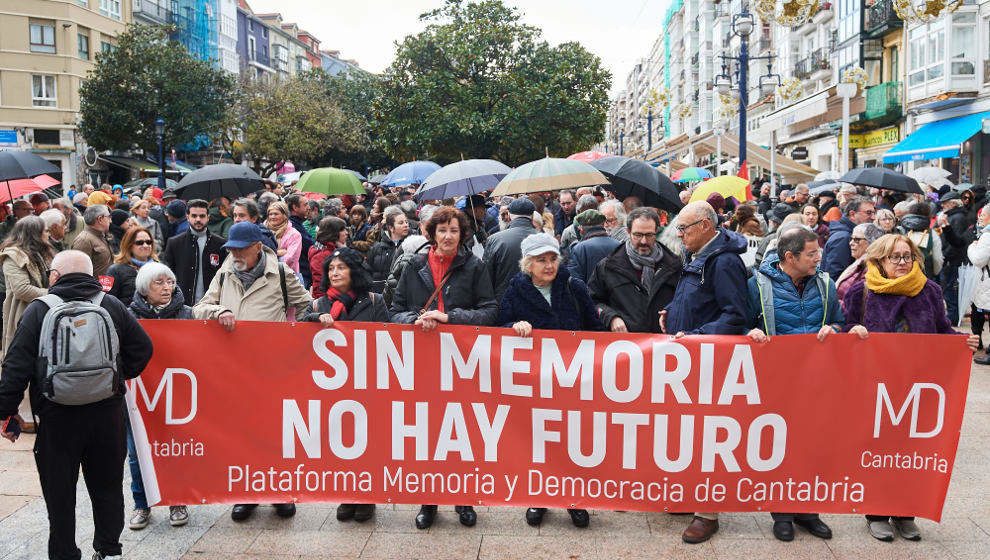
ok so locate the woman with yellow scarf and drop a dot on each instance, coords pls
(896, 297)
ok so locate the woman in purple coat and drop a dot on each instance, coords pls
(896, 297)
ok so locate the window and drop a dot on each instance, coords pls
(43, 37)
(110, 8)
(105, 47)
(47, 136)
(84, 46)
(43, 91)
(963, 44)
(83, 3)
(250, 24)
(252, 46)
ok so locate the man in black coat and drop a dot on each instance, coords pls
(91, 436)
(503, 250)
(298, 210)
(195, 255)
(954, 223)
(626, 300)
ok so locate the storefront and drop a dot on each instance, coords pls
(955, 144)
(868, 148)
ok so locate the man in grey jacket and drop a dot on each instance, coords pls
(503, 250)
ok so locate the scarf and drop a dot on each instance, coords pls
(248, 277)
(339, 301)
(278, 231)
(909, 285)
(646, 265)
(439, 265)
(138, 263)
(329, 247)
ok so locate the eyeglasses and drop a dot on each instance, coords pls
(140, 242)
(682, 229)
(642, 236)
(900, 258)
(857, 239)
(868, 212)
(163, 282)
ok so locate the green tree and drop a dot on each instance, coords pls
(144, 77)
(479, 83)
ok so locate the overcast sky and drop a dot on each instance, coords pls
(618, 31)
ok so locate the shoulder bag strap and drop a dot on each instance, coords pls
(285, 291)
(436, 292)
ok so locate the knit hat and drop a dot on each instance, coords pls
(156, 192)
(118, 217)
(590, 218)
(176, 209)
(538, 244)
(716, 200)
(781, 211)
(99, 197)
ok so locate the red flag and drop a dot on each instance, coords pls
(744, 173)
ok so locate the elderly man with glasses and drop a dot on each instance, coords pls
(93, 239)
(838, 254)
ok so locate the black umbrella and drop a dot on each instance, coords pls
(634, 177)
(882, 178)
(18, 164)
(222, 179)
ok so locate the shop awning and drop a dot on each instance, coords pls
(141, 165)
(758, 155)
(940, 139)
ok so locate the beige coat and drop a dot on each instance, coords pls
(92, 242)
(24, 284)
(263, 300)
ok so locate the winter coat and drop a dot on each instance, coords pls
(180, 255)
(92, 242)
(979, 255)
(122, 276)
(380, 257)
(369, 308)
(263, 300)
(73, 228)
(568, 239)
(617, 290)
(791, 312)
(822, 231)
(954, 236)
(157, 213)
(595, 246)
(19, 364)
(918, 229)
(503, 251)
(317, 254)
(398, 266)
(154, 228)
(219, 224)
(570, 307)
(306, 240)
(176, 308)
(24, 281)
(856, 272)
(561, 220)
(292, 243)
(925, 312)
(838, 255)
(178, 228)
(711, 294)
(468, 296)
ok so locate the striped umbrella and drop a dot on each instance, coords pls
(549, 174)
(691, 174)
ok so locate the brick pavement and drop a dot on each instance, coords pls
(502, 533)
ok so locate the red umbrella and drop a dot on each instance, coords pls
(588, 156)
(314, 195)
(20, 187)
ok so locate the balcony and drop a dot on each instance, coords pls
(820, 61)
(155, 12)
(802, 69)
(881, 18)
(986, 71)
(883, 103)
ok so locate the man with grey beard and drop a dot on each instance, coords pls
(252, 285)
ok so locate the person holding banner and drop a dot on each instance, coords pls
(789, 295)
(544, 296)
(448, 285)
(710, 299)
(896, 297)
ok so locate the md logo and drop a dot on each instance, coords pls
(167, 385)
(913, 401)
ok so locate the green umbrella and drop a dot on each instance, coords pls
(330, 181)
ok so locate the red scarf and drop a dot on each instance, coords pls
(438, 268)
(337, 306)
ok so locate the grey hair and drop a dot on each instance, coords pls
(390, 210)
(148, 274)
(586, 202)
(425, 213)
(95, 212)
(80, 198)
(854, 204)
(986, 207)
(70, 261)
(505, 201)
(538, 216)
(902, 206)
(52, 216)
(954, 203)
(643, 213)
(415, 243)
(617, 207)
(870, 231)
(408, 205)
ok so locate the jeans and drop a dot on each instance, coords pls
(137, 484)
(949, 279)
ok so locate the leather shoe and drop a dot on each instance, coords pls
(579, 517)
(984, 361)
(285, 510)
(467, 515)
(700, 530)
(534, 516)
(783, 530)
(364, 512)
(242, 511)
(816, 527)
(345, 512)
(425, 517)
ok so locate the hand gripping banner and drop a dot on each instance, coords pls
(371, 413)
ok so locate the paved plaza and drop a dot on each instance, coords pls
(502, 533)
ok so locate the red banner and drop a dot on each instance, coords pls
(386, 413)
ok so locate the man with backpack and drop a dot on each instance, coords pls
(252, 285)
(78, 401)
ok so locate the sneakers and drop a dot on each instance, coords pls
(139, 519)
(178, 516)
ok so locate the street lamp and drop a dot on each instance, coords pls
(160, 133)
(622, 137)
(719, 130)
(647, 115)
(845, 90)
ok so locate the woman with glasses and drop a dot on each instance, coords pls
(896, 297)
(156, 296)
(137, 248)
(862, 236)
(887, 221)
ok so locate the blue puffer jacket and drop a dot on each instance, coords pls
(792, 313)
(523, 302)
(711, 295)
(837, 254)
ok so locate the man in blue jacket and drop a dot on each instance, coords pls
(594, 246)
(710, 299)
(838, 254)
(788, 295)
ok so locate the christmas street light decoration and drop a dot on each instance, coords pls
(856, 75)
(791, 89)
(684, 110)
(924, 11)
(789, 13)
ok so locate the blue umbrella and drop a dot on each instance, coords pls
(463, 178)
(414, 172)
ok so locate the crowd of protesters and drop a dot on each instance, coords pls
(857, 260)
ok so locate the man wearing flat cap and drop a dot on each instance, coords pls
(594, 246)
(502, 251)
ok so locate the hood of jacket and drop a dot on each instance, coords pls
(845, 224)
(143, 310)
(915, 222)
(217, 218)
(725, 242)
(76, 286)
